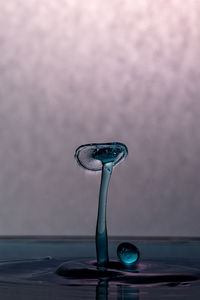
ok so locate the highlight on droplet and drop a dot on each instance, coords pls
(128, 253)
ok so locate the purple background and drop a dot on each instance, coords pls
(75, 72)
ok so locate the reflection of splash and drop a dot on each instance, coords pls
(102, 290)
(127, 292)
(123, 292)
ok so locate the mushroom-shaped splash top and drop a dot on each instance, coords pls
(96, 157)
(92, 156)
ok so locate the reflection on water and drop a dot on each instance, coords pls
(122, 292)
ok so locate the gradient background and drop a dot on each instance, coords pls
(74, 72)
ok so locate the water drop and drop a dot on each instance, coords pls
(128, 253)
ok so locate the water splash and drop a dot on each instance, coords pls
(128, 271)
(96, 157)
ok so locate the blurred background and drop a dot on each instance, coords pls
(75, 72)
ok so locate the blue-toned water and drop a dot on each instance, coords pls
(104, 157)
(168, 269)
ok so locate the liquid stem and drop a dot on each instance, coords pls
(101, 228)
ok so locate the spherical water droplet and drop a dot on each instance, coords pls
(128, 253)
(92, 156)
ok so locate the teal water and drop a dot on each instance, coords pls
(101, 228)
(96, 157)
(168, 269)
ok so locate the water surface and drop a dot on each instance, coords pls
(167, 269)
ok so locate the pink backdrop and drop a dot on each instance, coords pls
(74, 72)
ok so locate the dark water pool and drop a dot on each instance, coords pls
(65, 268)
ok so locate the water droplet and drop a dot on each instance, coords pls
(128, 253)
